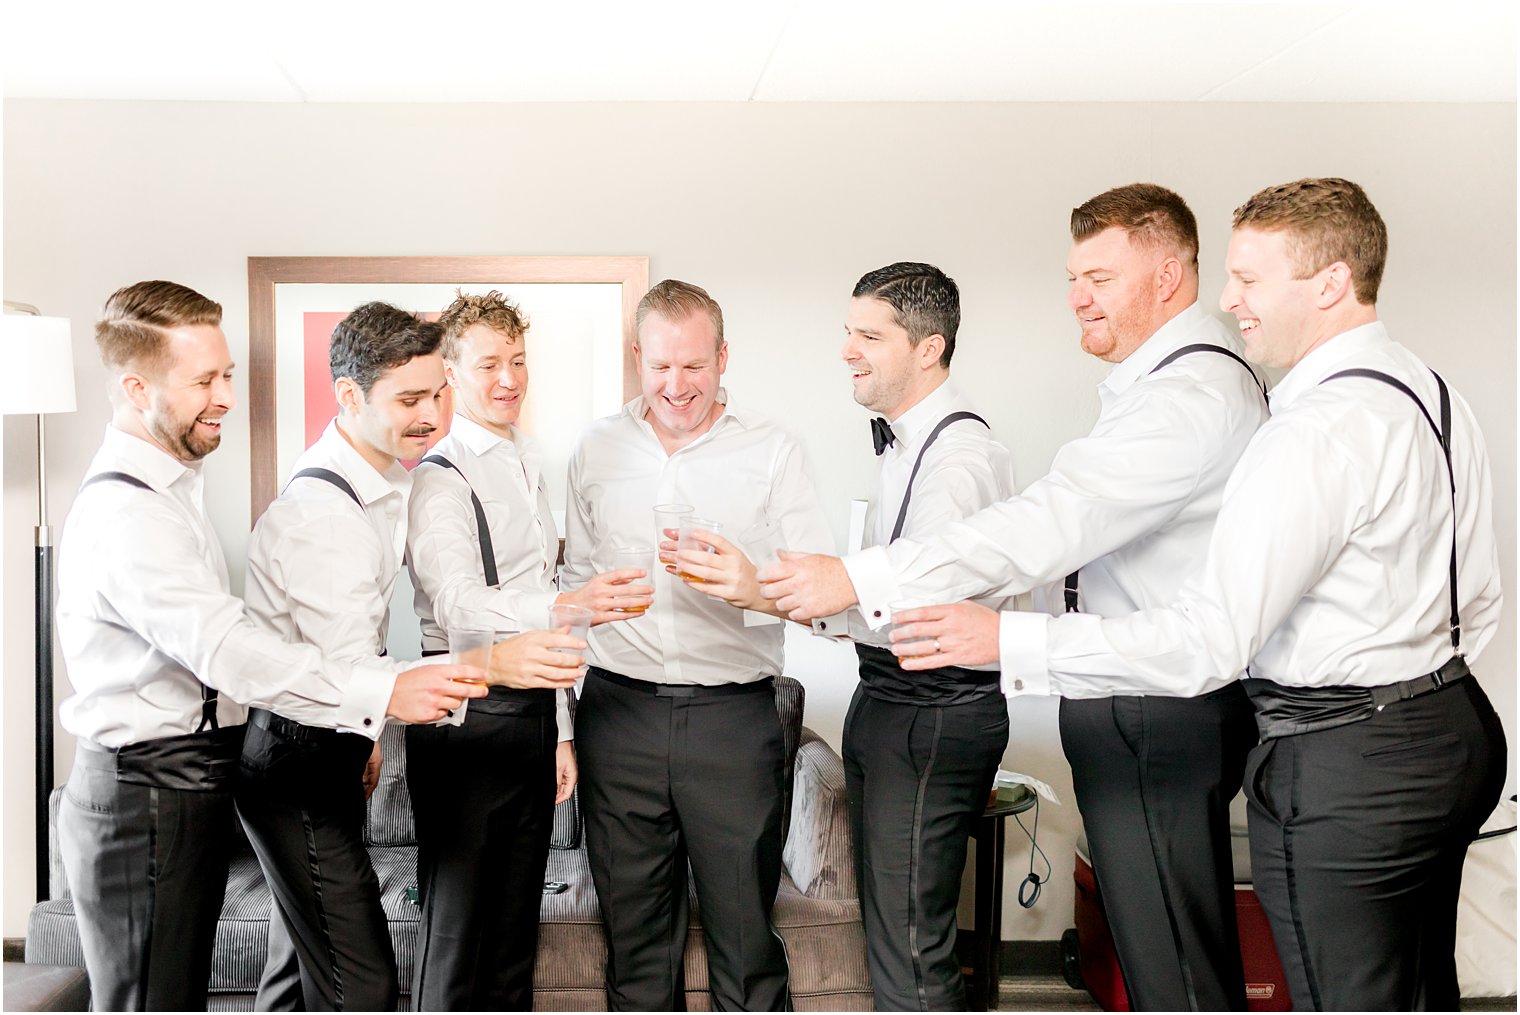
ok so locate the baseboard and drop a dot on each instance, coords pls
(15, 949)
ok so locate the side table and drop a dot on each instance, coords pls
(987, 921)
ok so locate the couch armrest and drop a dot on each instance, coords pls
(819, 854)
(58, 882)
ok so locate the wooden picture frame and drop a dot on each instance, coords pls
(348, 275)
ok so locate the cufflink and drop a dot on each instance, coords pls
(369, 722)
(823, 625)
(1018, 684)
(876, 614)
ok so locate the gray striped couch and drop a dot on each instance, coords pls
(817, 910)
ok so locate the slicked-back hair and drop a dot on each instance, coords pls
(493, 310)
(133, 326)
(1149, 214)
(1326, 219)
(675, 300)
(378, 337)
(924, 299)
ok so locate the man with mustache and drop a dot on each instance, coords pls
(322, 562)
(161, 655)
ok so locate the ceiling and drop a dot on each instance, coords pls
(758, 50)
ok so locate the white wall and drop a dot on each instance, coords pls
(776, 209)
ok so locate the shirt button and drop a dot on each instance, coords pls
(368, 722)
(876, 614)
(1018, 685)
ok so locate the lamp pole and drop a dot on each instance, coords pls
(47, 346)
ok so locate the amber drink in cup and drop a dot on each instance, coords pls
(690, 525)
(641, 557)
(471, 646)
(918, 647)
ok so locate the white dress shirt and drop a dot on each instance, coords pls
(1132, 504)
(320, 567)
(1329, 564)
(964, 470)
(443, 546)
(745, 473)
(145, 617)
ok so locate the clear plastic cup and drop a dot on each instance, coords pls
(763, 544)
(576, 618)
(919, 647)
(688, 541)
(641, 557)
(471, 646)
(667, 519)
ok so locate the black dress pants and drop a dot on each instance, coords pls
(147, 868)
(671, 776)
(1153, 778)
(300, 794)
(483, 797)
(1358, 835)
(917, 778)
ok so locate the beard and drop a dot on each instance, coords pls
(180, 438)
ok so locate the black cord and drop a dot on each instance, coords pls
(1029, 888)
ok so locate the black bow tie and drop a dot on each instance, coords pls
(882, 435)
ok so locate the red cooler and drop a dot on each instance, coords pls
(1089, 950)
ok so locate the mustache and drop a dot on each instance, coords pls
(421, 432)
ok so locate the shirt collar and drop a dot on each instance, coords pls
(1168, 338)
(124, 452)
(636, 409)
(912, 426)
(1333, 355)
(370, 484)
(476, 439)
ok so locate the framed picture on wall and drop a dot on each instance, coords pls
(581, 329)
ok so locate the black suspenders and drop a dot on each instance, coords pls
(208, 694)
(328, 476)
(487, 551)
(1443, 436)
(902, 512)
(1071, 579)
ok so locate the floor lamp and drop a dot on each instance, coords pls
(38, 352)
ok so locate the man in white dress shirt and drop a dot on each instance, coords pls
(1354, 569)
(680, 745)
(483, 792)
(321, 566)
(161, 656)
(920, 749)
(1124, 515)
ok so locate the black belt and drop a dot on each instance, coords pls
(287, 728)
(1286, 711)
(199, 762)
(767, 684)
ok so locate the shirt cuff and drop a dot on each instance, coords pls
(562, 716)
(1022, 652)
(875, 586)
(837, 626)
(754, 618)
(366, 697)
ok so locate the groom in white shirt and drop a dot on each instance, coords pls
(681, 749)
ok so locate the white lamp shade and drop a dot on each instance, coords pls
(39, 356)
